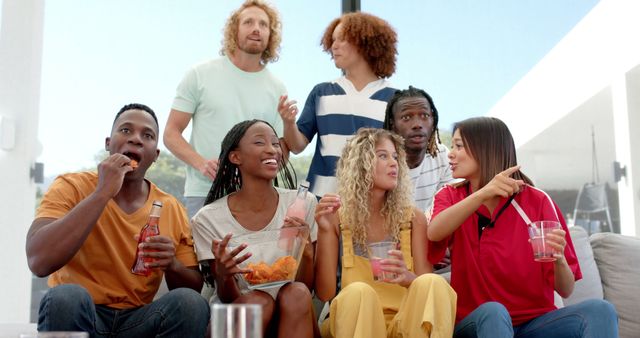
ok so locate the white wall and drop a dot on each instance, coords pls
(590, 78)
(600, 47)
(560, 157)
(20, 60)
(626, 109)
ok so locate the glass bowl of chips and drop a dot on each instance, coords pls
(275, 255)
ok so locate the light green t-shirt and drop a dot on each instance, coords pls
(219, 95)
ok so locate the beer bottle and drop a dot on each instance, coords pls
(149, 229)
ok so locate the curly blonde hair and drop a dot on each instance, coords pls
(230, 35)
(355, 180)
(373, 37)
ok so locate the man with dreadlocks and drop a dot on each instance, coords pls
(412, 114)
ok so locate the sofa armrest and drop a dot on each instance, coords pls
(618, 260)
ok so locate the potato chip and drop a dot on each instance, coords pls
(284, 268)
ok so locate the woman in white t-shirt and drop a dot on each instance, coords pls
(243, 199)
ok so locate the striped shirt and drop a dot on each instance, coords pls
(431, 175)
(335, 111)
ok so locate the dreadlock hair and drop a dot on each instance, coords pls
(434, 139)
(228, 178)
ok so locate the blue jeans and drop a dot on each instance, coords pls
(589, 319)
(179, 313)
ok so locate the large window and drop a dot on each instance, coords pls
(468, 54)
(101, 55)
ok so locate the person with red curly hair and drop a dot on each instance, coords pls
(221, 92)
(363, 47)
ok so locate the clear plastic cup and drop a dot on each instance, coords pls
(542, 252)
(55, 334)
(377, 252)
(236, 321)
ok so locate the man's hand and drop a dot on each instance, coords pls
(111, 173)
(209, 168)
(161, 249)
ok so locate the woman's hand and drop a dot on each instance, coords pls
(327, 212)
(286, 234)
(292, 221)
(502, 185)
(556, 239)
(395, 264)
(226, 262)
(287, 110)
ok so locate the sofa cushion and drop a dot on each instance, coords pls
(590, 286)
(618, 259)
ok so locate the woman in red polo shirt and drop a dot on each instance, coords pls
(502, 291)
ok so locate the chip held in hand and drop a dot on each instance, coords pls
(134, 164)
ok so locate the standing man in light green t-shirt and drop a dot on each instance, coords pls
(221, 92)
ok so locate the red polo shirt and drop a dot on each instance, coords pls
(499, 266)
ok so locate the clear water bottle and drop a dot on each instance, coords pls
(150, 229)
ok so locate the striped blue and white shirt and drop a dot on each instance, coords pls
(335, 111)
(431, 175)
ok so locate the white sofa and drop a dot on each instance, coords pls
(610, 265)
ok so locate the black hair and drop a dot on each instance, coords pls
(490, 143)
(137, 106)
(432, 145)
(228, 178)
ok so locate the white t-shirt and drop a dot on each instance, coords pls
(431, 175)
(214, 221)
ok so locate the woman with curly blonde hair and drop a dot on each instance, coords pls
(363, 47)
(375, 205)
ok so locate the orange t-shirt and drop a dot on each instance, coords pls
(103, 263)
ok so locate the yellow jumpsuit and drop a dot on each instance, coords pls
(365, 308)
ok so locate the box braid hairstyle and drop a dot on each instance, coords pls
(228, 178)
(434, 139)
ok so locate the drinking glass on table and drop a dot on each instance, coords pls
(55, 334)
(236, 321)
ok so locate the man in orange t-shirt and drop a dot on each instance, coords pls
(84, 237)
